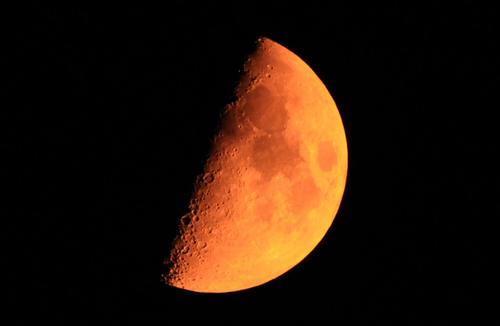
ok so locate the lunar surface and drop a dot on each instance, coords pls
(273, 181)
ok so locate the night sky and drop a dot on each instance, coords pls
(108, 115)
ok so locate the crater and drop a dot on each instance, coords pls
(231, 121)
(280, 66)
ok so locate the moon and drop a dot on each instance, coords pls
(272, 183)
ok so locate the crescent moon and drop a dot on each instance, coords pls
(273, 181)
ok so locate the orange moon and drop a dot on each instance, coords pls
(272, 183)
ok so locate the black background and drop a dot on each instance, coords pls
(109, 112)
